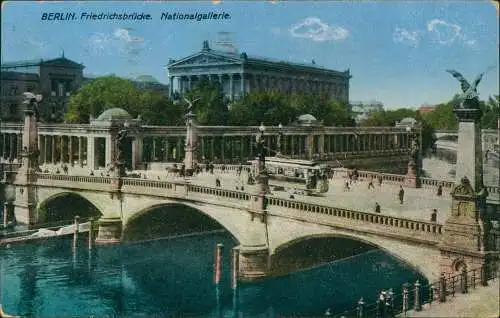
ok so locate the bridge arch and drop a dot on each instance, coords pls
(424, 259)
(190, 218)
(66, 205)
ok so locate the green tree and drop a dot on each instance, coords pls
(212, 108)
(491, 112)
(100, 94)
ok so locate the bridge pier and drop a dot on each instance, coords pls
(110, 231)
(253, 263)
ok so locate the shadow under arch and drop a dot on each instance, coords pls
(65, 206)
(351, 246)
(171, 219)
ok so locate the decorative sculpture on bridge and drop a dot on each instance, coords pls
(119, 145)
(31, 101)
(469, 99)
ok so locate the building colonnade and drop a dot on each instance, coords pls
(235, 85)
(95, 151)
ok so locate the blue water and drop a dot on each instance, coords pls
(174, 277)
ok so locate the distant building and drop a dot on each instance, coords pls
(426, 109)
(361, 110)
(55, 79)
(240, 74)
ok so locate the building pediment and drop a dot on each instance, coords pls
(62, 62)
(206, 59)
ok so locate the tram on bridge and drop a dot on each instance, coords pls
(307, 176)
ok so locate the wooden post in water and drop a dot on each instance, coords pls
(91, 229)
(235, 267)
(218, 262)
(77, 229)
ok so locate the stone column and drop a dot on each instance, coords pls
(321, 148)
(61, 145)
(178, 157)
(136, 152)
(108, 150)
(202, 141)
(80, 151)
(242, 147)
(212, 145)
(53, 137)
(41, 148)
(11, 146)
(464, 244)
(292, 146)
(171, 86)
(4, 145)
(308, 146)
(91, 153)
(242, 84)
(167, 150)
(70, 150)
(223, 148)
(231, 87)
(285, 144)
(45, 149)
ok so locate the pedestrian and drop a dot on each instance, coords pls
(401, 194)
(434, 215)
(379, 180)
(217, 182)
(440, 190)
(370, 185)
(377, 207)
(346, 187)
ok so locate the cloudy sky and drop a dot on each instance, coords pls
(397, 51)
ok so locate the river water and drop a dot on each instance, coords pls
(174, 277)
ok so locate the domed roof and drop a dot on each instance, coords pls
(307, 117)
(113, 114)
(408, 120)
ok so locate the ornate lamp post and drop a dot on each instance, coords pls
(280, 135)
(262, 176)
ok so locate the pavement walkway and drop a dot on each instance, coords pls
(482, 302)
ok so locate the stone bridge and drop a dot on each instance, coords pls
(262, 232)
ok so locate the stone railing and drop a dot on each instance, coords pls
(434, 183)
(368, 175)
(395, 222)
(71, 178)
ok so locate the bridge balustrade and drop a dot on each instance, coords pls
(136, 182)
(434, 183)
(413, 225)
(218, 192)
(72, 178)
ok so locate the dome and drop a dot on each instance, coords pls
(408, 120)
(113, 114)
(307, 117)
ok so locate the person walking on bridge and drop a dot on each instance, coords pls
(401, 194)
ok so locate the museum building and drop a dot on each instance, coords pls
(56, 79)
(240, 74)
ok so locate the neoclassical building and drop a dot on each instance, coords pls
(56, 79)
(240, 74)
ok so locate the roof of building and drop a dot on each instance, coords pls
(146, 79)
(114, 114)
(38, 62)
(307, 117)
(245, 58)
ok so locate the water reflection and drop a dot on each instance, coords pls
(175, 278)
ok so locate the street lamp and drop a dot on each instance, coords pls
(280, 134)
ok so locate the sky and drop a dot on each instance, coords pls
(397, 51)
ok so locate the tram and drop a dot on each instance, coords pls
(303, 175)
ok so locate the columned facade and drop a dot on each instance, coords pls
(240, 74)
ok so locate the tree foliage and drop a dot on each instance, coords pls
(108, 92)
